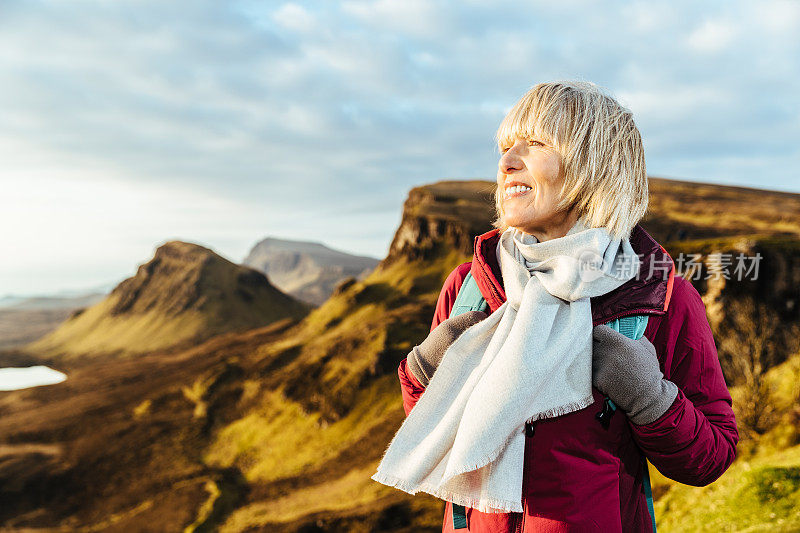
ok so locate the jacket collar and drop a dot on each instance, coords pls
(648, 294)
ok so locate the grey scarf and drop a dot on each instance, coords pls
(464, 440)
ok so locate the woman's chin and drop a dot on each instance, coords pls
(518, 223)
(518, 228)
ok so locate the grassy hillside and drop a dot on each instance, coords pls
(761, 491)
(267, 429)
(331, 399)
(331, 404)
(683, 210)
(118, 444)
(264, 428)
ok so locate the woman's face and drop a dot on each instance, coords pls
(530, 174)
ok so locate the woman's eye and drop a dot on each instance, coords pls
(533, 142)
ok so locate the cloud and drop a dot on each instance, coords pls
(410, 18)
(295, 17)
(712, 36)
(273, 118)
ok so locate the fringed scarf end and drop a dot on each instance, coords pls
(485, 505)
(563, 409)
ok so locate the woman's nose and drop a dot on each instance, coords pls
(510, 161)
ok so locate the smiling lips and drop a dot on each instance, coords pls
(514, 189)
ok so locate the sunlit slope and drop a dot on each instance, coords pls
(761, 490)
(186, 293)
(331, 403)
(117, 446)
(331, 400)
(264, 430)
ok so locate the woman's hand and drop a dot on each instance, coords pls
(627, 371)
(423, 360)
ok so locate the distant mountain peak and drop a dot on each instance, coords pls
(277, 243)
(307, 270)
(182, 250)
(172, 280)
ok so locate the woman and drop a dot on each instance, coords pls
(507, 429)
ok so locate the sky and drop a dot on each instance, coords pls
(125, 124)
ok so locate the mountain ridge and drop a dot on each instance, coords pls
(184, 294)
(309, 271)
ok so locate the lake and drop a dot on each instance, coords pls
(13, 378)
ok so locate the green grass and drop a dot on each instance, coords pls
(280, 439)
(762, 494)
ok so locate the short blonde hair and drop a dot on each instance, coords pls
(604, 170)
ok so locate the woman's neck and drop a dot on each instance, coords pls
(554, 230)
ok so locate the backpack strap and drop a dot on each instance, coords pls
(633, 327)
(469, 297)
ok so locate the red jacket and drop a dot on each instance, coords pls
(579, 476)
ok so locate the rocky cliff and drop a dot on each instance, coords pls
(443, 215)
(683, 210)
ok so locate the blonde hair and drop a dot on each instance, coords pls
(605, 177)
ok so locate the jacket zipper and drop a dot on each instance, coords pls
(528, 433)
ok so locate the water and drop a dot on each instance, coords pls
(32, 376)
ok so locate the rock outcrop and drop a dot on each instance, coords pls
(443, 215)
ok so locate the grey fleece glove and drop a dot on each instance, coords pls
(627, 371)
(423, 359)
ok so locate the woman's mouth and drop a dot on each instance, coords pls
(515, 191)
